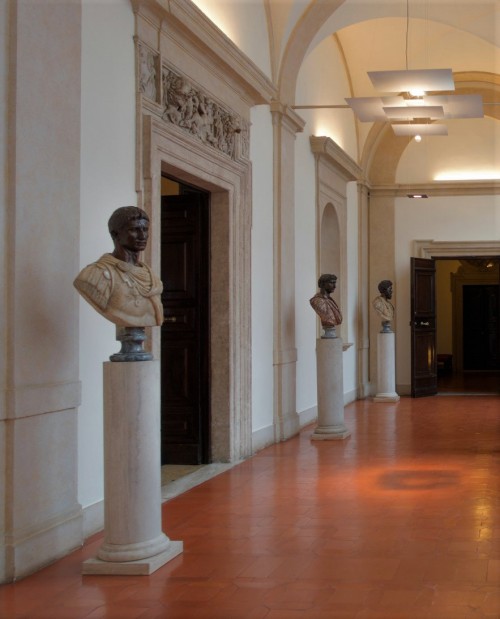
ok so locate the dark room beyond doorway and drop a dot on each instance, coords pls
(185, 268)
(468, 339)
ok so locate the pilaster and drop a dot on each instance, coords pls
(41, 519)
(363, 317)
(286, 123)
(382, 262)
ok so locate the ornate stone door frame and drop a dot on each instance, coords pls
(168, 151)
(458, 249)
(194, 94)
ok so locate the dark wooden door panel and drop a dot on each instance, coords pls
(423, 328)
(184, 338)
(178, 375)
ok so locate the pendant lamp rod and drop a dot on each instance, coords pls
(316, 107)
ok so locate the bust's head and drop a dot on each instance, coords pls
(385, 288)
(129, 229)
(327, 282)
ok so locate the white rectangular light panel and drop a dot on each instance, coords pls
(414, 111)
(420, 129)
(371, 109)
(458, 106)
(415, 80)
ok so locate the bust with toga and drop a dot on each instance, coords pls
(383, 305)
(326, 308)
(118, 285)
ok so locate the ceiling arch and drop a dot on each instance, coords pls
(321, 19)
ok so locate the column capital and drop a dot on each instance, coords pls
(283, 113)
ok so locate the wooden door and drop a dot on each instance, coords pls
(423, 328)
(185, 407)
(481, 341)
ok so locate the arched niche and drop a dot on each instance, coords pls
(329, 250)
(334, 169)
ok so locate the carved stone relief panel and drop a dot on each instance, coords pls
(148, 72)
(187, 107)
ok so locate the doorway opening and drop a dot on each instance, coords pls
(185, 334)
(468, 337)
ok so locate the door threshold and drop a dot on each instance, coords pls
(172, 488)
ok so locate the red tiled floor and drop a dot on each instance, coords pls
(399, 521)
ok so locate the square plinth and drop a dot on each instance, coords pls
(141, 567)
(333, 436)
(386, 397)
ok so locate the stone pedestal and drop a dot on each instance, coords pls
(386, 368)
(133, 539)
(330, 391)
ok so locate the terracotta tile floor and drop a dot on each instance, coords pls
(400, 521)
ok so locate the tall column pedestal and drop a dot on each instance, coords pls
(386, 368)
(134, 543)
(330, 391)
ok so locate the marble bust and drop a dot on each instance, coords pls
(326, 308)
(383, 305)
(118, 285)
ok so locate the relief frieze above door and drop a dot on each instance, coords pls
(188, 107)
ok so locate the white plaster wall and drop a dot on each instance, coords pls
(305, 272)
(245, 23)
(322, 81)
(261, 153)
(457, 218)
(350, 314)
(471, 151)
(107, 182)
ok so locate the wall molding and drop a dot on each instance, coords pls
(441, 189)
(455, 249)
(30, 400)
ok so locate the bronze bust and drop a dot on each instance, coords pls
(383, 305)
(118, 285)
(326, 308)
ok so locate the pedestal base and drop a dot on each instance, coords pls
(134, 542)
(386, 397)
(141, 567)
(386, 368)
(330, 434)
(331, 425)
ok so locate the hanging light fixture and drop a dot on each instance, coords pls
(416, 82)
(405, 98)
(410, 107)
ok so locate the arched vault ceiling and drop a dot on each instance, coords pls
(375, 32)
(463, 35)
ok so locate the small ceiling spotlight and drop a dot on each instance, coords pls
(418, 196)
(418, 138)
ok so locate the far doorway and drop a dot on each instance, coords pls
(468, 338)
(185, 354)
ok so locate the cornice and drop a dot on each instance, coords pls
(438, 189)
(453, 249)
(325, 147)
(184, 16)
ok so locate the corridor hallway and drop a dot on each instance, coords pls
(399, 521)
